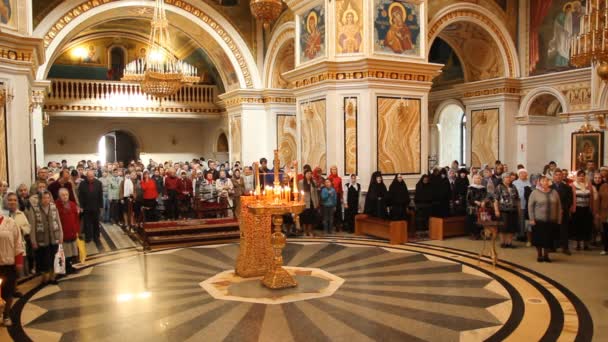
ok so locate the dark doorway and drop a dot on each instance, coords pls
(117, 58)
(121, 146)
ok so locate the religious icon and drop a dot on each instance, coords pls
(5, 11)
(92, 56)
(397, 27)
(349, 32)
(587, 147)
(313, 43)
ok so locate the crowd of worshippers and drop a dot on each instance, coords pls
(550, 210)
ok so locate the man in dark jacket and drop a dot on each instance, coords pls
(566, 197)
(90, 193)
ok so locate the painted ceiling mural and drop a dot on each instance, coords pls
(552, 24)
(452, 71)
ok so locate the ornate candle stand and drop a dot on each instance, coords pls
(254, 257)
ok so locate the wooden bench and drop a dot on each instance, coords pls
(442, 227)
(165, 234)
(394, 231)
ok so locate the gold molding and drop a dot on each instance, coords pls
(492, 91)
(235, 101)
(142, 109)
(21, 51)
(457, 14)
(197, 12)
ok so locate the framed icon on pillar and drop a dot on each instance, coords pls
(587, 147)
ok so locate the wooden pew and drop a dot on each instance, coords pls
(440, 228)
(394, 231)
(166, 234)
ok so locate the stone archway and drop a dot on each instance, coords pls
(475, 14)
(543, 97)
(65, 18)
(277, 58)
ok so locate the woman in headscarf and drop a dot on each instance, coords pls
(441, 194)
(308, 218)
(461, 185)
(476, 196)
(424, 202)
(70, 225)
(582, 219)
(11, 205)
(11, 250)
(46, 235)
(375, 200)
(399, 199)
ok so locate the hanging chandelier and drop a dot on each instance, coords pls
(589, 47)
(266, 11)
(160, 73)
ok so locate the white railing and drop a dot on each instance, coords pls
(89, 92)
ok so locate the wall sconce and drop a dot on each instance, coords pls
(6, 95)
(46, 119)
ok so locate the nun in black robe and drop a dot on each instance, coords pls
(442, 194)
(399, 199)
(424, 202)
(376, 197)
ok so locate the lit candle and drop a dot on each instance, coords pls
(302, 196)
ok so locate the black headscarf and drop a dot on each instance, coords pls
(398, 192)
(375, 192)
(461, 184)
(424, 192)
(441, 187)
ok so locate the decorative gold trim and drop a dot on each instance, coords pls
(493, 91)
(364, 74)
(458, 14)
(258, 100)
(96, 108)
(197, 12)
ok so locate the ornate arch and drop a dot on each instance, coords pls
(64, 18)
(443, 105)
(486, 20)
(529, 99)
(281, 36)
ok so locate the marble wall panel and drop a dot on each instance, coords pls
(350, 135)
(235, 138)
(484, 136)
(314, 134)
(3, 145)
(287, 131)
(399, 135)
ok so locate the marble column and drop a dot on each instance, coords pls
(361, 93)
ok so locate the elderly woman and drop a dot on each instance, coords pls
(46, 236)
(11, 205)
(23, 194)
(11, 261)
(545, 212)
(70, 226)
(582, 219)
(476, 195)
(506, 207)
(3, 190)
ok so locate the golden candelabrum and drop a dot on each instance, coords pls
(266, 11)
(275, 201)
(589, 47)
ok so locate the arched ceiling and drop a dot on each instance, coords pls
(189, 41)
(478, 51)
(545, 105)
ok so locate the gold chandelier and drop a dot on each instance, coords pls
(160, 74)
(590, 47)
(266, 11)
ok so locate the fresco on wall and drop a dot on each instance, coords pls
(349, 30)
(314, 134)
(6, 12)
(287, 131)
(397, 27)
(452, 71)
(312, 34)
(552, 24)
(350, 135)
(484, 136)
(398, 135)
(284, 62)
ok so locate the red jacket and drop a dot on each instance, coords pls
(184, 188)
(70, 221)
(171, 183)
(336, 181)
(149, 189)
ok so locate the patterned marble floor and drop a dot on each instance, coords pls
(390, 293)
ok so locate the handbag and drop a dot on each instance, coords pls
(59, 264)
(82, 250)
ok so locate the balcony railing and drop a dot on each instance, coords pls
(70, 95)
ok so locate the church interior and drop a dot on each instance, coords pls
(303, 170)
